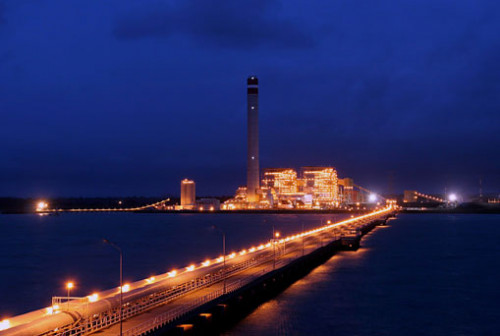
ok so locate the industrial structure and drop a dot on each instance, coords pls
(188, 194)
(350, 193)
(413, 196)
(253, 139)
(321, 183)
(314, 188)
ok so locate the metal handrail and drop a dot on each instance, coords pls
(176, 313)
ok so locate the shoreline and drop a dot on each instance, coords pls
(272, 211)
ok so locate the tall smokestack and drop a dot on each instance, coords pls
(253, 139)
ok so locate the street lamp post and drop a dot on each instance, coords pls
(275, 239)
(223, 257)
(116, 247)
(224, 260)
(302, 238)
(69, 286)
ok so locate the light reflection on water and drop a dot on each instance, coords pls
(422, 275)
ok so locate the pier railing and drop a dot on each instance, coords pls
(180, 311)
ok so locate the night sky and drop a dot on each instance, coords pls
(127, 97)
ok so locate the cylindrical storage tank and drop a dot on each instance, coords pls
(188, 194)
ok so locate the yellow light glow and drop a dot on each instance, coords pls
(41, 206)
(307, 233)
(93, 298)
(125, 288)
(150, 280)
(277, 234)
(49, 310)
(69, 285)
(4, 324)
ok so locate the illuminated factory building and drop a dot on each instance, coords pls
(280, 188)
(315, 188)
(321, 183)
(282, 180)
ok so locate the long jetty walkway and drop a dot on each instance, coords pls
(200, 296)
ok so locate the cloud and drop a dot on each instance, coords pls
(233, 24)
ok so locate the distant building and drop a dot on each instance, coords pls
(410, 196)
(282, 180)
(279, 188)
(346, 191)
(322, 184)
(188, 194)
(208, 204)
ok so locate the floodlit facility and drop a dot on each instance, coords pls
(188, 194)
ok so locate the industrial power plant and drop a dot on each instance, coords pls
(283, 188)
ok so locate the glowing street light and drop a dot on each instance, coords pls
(4, 324)
(372, 198)
(93, 298)
(41, 206)
(69, 287)
(452, 197)
(276, 235)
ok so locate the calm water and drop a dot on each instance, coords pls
(422, 275)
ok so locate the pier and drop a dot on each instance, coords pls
(204, 296)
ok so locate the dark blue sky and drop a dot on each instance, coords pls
(126, 97)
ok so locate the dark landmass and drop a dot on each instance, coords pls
(28, 205)
(463, 208)
(11, 205)
(14, 205)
